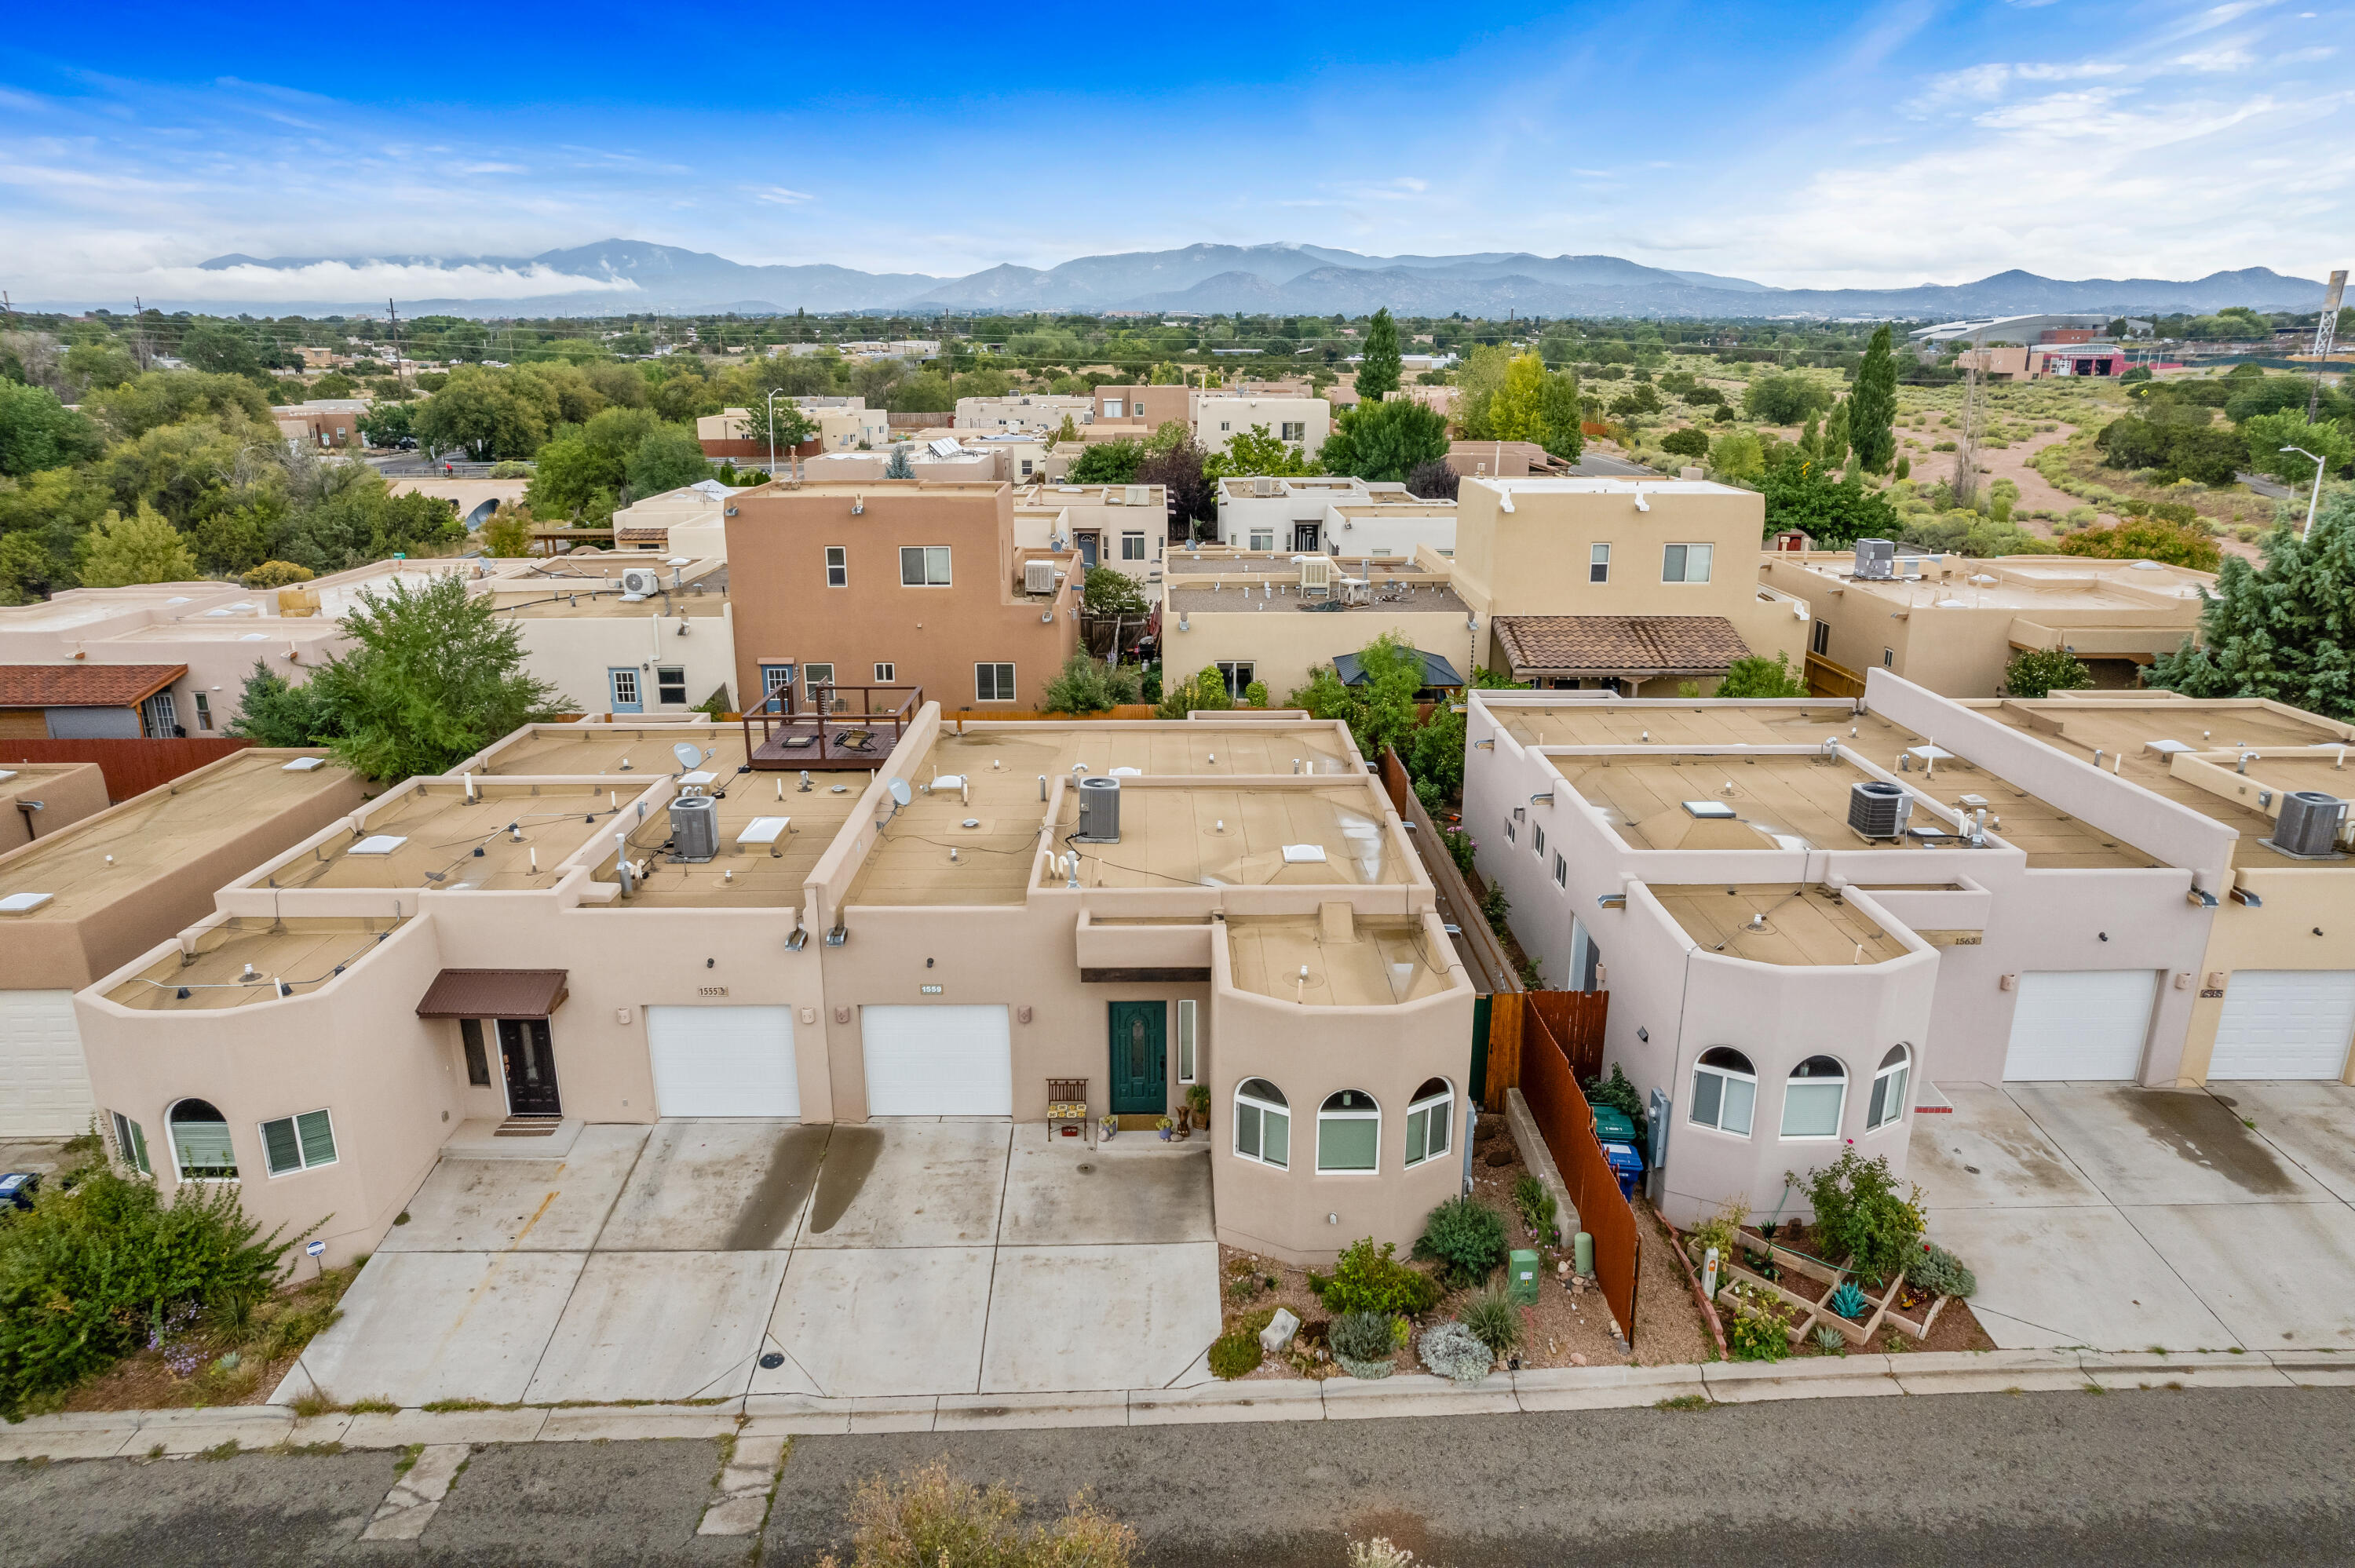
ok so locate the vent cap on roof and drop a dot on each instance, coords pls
(22, 903)
(1717, 811)
(304, 764)
(379, 844)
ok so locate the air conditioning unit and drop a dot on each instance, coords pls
(1140, 495)
(1262, 485)
(2309, 826)
(694, 827)
(1875, 558)
(640, 582)
(1878, 810)
(1099, 811)
(1038, 577)
(1315, 578)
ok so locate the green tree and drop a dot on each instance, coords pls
(1108, 591)
(431, 677)
(1206, 691)
(37, 432)
(489, 413)
(1108, 463)
(2283, 631)
(174, 396)
(1477, 383)
(1835, 437)
(1561, 417)
(1254, 451)
(1380, 709)
(664, 459)
(1787, 400)
(2269, 434)
(507, 535)
(1378, 372)
(1758, 677)
(1687, 441)
(782, 422)
(387, 424)
(1737, 456)
(141, 549)
(1385, 441)
(2148, 539)
(1833, 513)
(1086, 685)
(1873, 405)
(899, 467)
(273, 711)
(2034, 671)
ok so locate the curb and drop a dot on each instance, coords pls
(260, 1427)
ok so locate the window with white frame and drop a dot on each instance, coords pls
(1598, 564)
(837, 566)
(670, 684)
(1348, 1133)
(130, 1143)
(1561, 871)
(1186, 1025)
(1508, 830)
(993, 682)
(1262, 1123)
(1430, 1116)
(1819, 640)
(924, 566)
(885, 674)
(1238, 673)
(200, 1145)
(1132, 547)
(1813, 1098)
(1686, 563)
(1889, 658)
(815, 676)
(1294, 430)
(1262, 538)
(204, 712)
(1887, 1101)
(1537, 840)
(302, 1142)
(1724, 1091)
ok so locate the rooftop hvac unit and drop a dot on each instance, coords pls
(1878, 810)
(1262, 485)
(1315, 578)
(2309, 826)
(1099, 811)
(694, 827)
(1875, 557)
(1038, 577)
(640, 582)
(1140, 495)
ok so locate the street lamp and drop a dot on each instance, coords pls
(2312, 500)
(773, 433)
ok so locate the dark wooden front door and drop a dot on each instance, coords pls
(530, 1062)
(1140, 1058)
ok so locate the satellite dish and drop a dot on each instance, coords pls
(690, 756)
(901, 793)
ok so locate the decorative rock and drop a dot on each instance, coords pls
(1279, 1331)
(1578, 1358)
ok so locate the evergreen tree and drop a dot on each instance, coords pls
(1872, 411)
(1836, 437)
(141, 548)
(2284, 631)
(900, 467)
(1378, 374)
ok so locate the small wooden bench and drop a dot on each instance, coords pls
(1067, 1100)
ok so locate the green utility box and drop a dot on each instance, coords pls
(1522, 1276)
(1613, 1126)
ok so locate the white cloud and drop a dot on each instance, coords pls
(779, 196)
(371, 280)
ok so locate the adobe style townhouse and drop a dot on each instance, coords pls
(605, 923)
(1807, 911)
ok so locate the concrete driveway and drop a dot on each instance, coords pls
(911, 1256)
(2128, 1219)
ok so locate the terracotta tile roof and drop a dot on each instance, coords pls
(1618, 645)
(78, 685)
(635, 536)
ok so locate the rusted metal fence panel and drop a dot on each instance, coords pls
(130, 766)
(1567, 1123)
(1575, 1019)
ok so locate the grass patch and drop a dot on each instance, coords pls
(226, 1450)
(1684, 1402)
(452, 1406)
(373, 1406)
(408, 1460)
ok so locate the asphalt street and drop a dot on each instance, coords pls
(2143, 1476)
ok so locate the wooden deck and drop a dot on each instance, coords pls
(861, 731)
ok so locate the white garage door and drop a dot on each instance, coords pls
(44, 1087)
(723, 1061)
(938, 1061)
(2080, 1023)
(2285, 1024)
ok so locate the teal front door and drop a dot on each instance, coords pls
(1140, 1063)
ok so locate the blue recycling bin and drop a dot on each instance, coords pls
(18, 1187)
(1626, 1164)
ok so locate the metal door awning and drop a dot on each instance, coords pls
(493, 993)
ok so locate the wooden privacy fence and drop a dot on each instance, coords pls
(1549, 1087)
(130, 766)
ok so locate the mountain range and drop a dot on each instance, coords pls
(626, 275)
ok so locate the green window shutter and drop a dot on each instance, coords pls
(279, 1145)
(318, 1138)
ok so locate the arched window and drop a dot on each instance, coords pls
(200, 1149)
(1888, 1102)
(1348, 1132)
(1725, 1091)
(1813, 1098)
(1428, 1118)
(1262, 1123)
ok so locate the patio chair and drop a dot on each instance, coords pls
(1067, 1100)
(854, 740)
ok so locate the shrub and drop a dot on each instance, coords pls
(1361, 1337)
(1721, 1230)
(1759, 1333)
(1460, 848)
(2033, 672)
(94, 1272)
(1467, 1237)
(929, 1518)
(1537, 1205)
(1455, 1352)
(1620, 1094)
(1861, 1216)
(1828, 1339)
(1495, 906)
(274, 574)
(1495, 1319)
(1848, 1300)
(1689, 441)
(510, 468)
(1370, 1279)
(1941, 1273)
(1237, 1354)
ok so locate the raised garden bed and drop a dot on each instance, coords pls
(1806, 1285)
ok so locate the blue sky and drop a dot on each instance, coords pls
(1797, 144)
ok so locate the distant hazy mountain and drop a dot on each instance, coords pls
(1286, 279)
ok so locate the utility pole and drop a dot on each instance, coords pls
(2324, 331)
(1965, 485)
(400, 372)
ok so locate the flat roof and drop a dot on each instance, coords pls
(90, 865)
(2221, 727)
(1599, 485)
(302, 954)
(596, 750)
(1171, 837)
(1781, 796)
(595, 592)
(1285, 564)
(426, 834)
(1369, 963)
(766, 875)
(2031, 585)
(1428, 597)
(1785, 923)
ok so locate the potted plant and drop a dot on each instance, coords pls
(1164, 1126)
(1111, 1126)
(1197, 1100)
